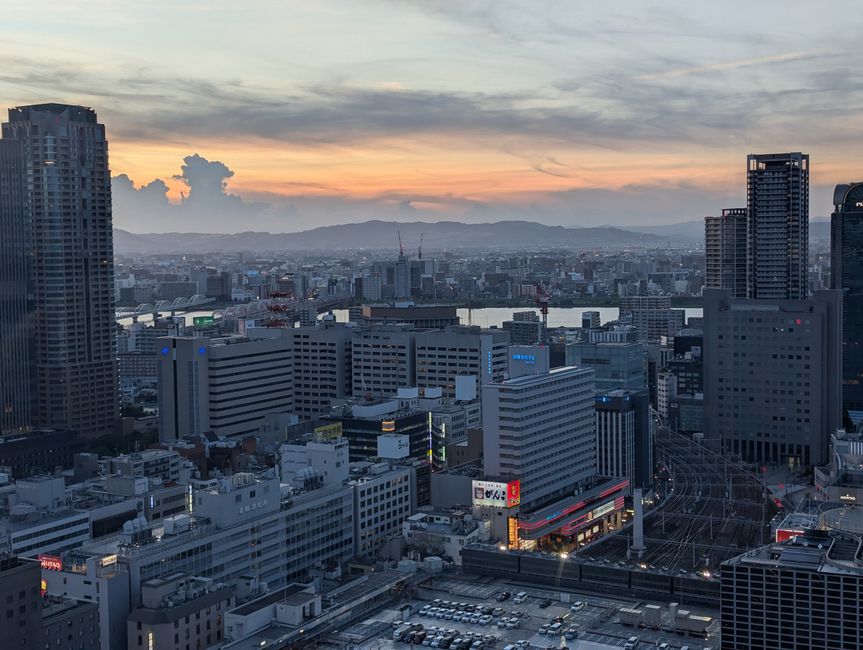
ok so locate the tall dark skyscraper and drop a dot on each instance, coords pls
(778, 241)
(15, 404)
(846, 245)
(725, 251)
(65, 157)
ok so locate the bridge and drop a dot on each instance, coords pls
(163, 306)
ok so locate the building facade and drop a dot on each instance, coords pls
(772, 376)
(725, 251)
(777, 201)
(442, 355)
(322, 367)
(846, 264)
(65, 154)
(624, 437)
(652, 316)
(541, 429)
(382, 360)
(801, 593)
(226, 385)
(15, 386)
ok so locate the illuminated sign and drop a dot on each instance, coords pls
(203, 321)
(329, 431)
(108, 560)
(529, 359)
(44, 587)
(388, 426)
(601, 510)
(496, 494)
(51, 562)
(847, 497)
(859, 204)
(512, 532)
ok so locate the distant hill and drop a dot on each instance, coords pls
(693, 231)
(382, 234)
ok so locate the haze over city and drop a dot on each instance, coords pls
(286, 116)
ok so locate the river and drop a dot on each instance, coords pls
(484, 316)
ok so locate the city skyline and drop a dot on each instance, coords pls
(469, 111)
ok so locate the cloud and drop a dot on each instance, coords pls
(732, 65)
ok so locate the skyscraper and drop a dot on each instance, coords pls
(65, 156)
(778, 240)
(771, 376)
(846, 246)
(15, 405)
(725, 251)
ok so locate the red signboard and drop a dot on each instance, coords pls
(513, 493)
(783, 533)
(51, 562)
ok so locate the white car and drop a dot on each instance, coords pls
(577, 606)
(520, 597)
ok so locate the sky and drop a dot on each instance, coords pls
(283, 115)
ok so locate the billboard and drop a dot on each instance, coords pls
(203, 321)
(328, 431)
(497, 494)
(51, 562)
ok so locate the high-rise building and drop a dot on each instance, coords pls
(624, 436)
(540, 429)
(15, 386)
(322, 367)
(801, 593)
(846, 235)
(725, 251)
(382, 359)
(772, 391)
(225, 385)
(778, 225)
(442, 355)
(652, 316)
(620, 363)
(72, 264)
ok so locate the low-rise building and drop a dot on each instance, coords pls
(443, 533)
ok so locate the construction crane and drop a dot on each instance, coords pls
(401, 246)
(542, 299)
(420, 248)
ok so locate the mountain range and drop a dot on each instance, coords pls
(441, 235)
(377, 235)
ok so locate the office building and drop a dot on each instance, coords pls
(402, 277)
(20, 601)
(624, 437)
(179, 610)
(772, 390)
(841, 480)
(801, 593)
(525, 328)
(69, 623)
(590, 320)
(72, 265)
(619, 365)
(322, 367)
(225, 385)
(541, 429)
(777, 201)
(15, 378)
(382, 359)
(362, 423)
(725, 251)
(652, 316)
(420, 316)
(846, 263)
(443, 355)
(666, 390)
(382, 502)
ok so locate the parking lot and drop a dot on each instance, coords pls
(466, 614)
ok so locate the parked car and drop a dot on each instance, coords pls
(545, 602)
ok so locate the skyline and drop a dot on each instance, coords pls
(453, 111)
